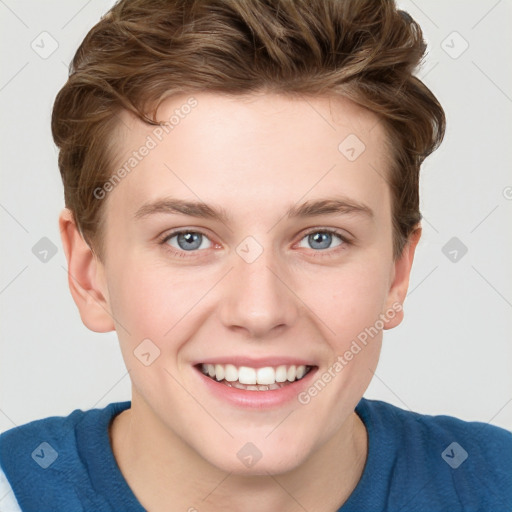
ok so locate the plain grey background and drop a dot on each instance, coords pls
(452, 354)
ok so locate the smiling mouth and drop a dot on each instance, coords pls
(268, 378)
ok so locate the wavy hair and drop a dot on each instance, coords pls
(143, 51)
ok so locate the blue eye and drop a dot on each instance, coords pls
(189, 243)
(187, 240)
(322, 239)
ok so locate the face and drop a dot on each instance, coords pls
(252, 242)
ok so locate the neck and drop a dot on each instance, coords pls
(161, 469)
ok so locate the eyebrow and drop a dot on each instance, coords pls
(327, 206)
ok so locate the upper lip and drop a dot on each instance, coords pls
(253, 362)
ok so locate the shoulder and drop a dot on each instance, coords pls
(41, 439)
(483, 438)
(46, 456)
(467, 462)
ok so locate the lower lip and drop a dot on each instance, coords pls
(257, 399)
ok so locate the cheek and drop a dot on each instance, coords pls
(150, 303)
(146, 300)
(352, 299)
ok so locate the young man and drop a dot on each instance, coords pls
(241, 185)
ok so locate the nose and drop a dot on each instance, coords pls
(258, 299)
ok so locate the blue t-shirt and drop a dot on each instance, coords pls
(415, 463)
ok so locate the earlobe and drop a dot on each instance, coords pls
(85, 277)
(400, 283)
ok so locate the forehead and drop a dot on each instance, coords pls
(252, 150)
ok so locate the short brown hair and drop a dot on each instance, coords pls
(143, 51)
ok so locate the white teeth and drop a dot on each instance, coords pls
(260, 379)
(231, 373)
(246, 375)
(281, 374)
(301, 371)
(266, 375)
(219, 372)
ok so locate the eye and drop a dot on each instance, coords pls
(186, 241)
(322, 239)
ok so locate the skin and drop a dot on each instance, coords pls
(177, 445)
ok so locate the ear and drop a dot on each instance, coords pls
(85, 277)
(400, 281)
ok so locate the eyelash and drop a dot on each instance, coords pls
(316, 253)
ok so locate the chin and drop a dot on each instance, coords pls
(259, 458)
